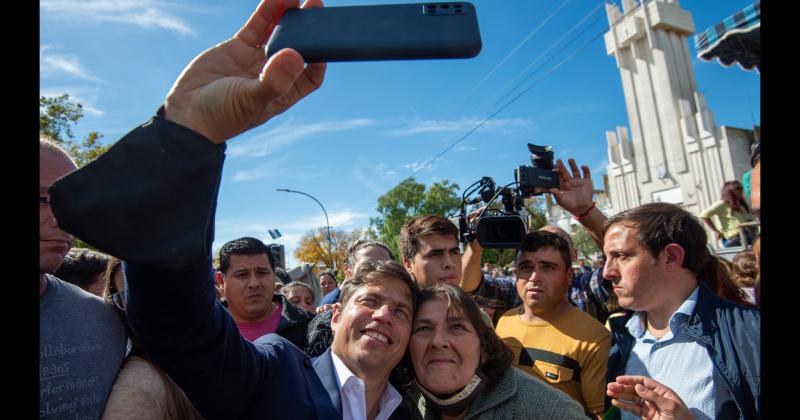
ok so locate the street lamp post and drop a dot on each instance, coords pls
(327, 224)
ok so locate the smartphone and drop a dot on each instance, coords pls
(379, 32)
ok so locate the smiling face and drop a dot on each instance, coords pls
(542, 280)
(438, 259)
(445, 348)
(247, 285)
(371, 328)
(54, 243)
(632, 270)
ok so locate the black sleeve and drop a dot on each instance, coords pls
(150, 199)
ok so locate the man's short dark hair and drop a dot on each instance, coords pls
(243, 246)
(81, 267)
(422, 226)
(371, 272)
(660, 224)
(755, 153)
(535, 241)
(360, 244)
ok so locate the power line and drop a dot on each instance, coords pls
(527, 38)
(523, 92)
(536, 60)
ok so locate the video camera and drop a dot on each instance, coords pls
(506, 228)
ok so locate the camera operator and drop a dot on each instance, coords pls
(575, 196)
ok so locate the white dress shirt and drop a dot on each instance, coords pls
(354, 403)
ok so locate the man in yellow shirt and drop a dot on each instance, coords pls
(552, 339)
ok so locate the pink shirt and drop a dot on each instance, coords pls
(252, 330)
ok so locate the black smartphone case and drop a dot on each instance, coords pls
(381, 32)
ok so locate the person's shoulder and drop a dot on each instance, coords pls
(67, 290)
(587, 326)
(540, 397)
(277, 344)
(489, 280)
(510, 315)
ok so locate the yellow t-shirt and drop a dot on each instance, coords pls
(571, 354)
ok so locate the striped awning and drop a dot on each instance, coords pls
(737, 39)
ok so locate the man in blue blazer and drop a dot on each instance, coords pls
(151, 200)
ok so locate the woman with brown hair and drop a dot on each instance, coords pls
(730, 210)
(463, 370)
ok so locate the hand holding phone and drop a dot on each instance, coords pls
(380, 32)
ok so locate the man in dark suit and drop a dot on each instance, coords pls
(151, 200)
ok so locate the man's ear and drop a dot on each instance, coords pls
(673, 255)
(219, 279)
(347, 271)
(337, 314)
(407, 264)
(570, 273)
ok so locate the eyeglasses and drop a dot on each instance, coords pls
(119, 300)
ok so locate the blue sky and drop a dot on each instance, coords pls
(372, 124)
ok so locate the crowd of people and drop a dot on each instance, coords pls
(149, 327)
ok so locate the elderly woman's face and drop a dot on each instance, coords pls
(445, 351)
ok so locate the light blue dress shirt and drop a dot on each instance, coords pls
(676, 360)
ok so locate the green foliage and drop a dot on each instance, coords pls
(56, 118)
(584, 242)
(407, 200)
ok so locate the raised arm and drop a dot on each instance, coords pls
(151, 201)
(471, 266)
(575, 196)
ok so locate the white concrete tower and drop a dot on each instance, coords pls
(674, 153)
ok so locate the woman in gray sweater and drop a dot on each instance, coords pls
(463, 370)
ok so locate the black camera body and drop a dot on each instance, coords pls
(506, 228)
(501, 231)
(539, 178)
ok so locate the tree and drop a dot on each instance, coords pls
(584, 242)
(313, 247)
(57, 116)
(408, 200)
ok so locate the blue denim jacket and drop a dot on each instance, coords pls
(732, 335)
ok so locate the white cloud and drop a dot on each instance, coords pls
(288, 133)
(61, 64)
(251, 175)
(465, 148)
(416, 166)
(462, 125)
(86, 97)
(147, 14)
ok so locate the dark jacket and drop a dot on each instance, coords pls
(732, 335)
(150, 200)
(294, 322)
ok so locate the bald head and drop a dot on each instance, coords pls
(54, 243)
(573, 253)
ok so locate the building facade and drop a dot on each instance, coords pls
(673, 151)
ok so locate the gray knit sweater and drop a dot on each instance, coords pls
(516, 396)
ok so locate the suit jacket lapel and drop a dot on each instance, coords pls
(326, 372)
